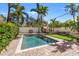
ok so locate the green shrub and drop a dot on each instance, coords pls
(8, 31)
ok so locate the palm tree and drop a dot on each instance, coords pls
(71, 8)
(36, 10)
(54, 24)
(19, 13)
(51, 25)
(41, 11)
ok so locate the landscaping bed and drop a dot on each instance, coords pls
(8, 31)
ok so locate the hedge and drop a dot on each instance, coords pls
(8, 32)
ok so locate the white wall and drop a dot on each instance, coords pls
(35, 29)
(26, 29)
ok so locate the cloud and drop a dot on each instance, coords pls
(3, 13)
(77, 4)
(33, 13)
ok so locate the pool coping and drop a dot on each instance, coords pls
(18, 49)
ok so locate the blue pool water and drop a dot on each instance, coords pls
(30, 41)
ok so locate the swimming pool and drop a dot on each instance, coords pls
(30, 41)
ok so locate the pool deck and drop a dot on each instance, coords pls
(42, 51)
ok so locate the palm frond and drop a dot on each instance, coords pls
(27, 16)
(77, 9)
(37, 4)
(33, 10)
(22, 8)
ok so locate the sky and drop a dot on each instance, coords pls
(54, 10)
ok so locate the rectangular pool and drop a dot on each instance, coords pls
(30, 41)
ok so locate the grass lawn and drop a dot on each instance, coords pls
(64, 37)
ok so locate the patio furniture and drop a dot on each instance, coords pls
(31, 31)
(62, 46)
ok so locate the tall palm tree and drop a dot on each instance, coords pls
(19, 13)
(36, 10)
(71, 8)
(41, 11)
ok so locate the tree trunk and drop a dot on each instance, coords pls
(41, 18)
(78, 31)
(9, 17)
(38, 23)
(38, 18)
(53, 29)
(17, 19)
(74, 18)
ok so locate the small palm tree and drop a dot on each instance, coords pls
(52, 24)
